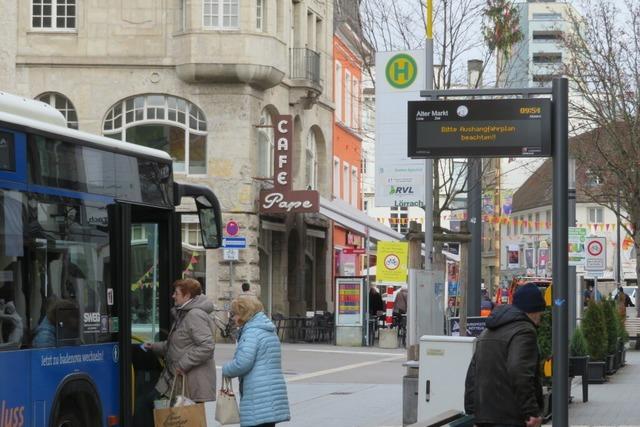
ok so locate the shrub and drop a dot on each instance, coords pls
(578, 345)
(611, 323)
(595, 331)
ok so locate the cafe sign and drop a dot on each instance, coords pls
(282, 198)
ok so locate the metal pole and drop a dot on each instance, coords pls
(618, 270)
(367, 287)
(560, 339)
(428, 164)
(475, 246)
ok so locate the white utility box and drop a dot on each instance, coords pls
(444, 361)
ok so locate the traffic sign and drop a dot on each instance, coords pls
(401, 71)
(230, 254)
(232, 228)
(356, 251)
(596, 254)
(234, 242)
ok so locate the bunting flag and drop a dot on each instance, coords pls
(188, 271)
(144, 281)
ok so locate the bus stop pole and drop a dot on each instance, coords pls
(560, 339)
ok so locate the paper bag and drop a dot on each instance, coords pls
(180, 416)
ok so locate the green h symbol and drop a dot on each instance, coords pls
(397, 71)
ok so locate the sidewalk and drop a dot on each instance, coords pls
(614, 403)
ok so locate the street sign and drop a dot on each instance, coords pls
(356, 251)
(234, 242)
(230, 254)
(232, 228)
(596, 255)
(577, 241)
(479, 128)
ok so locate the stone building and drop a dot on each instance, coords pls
(202, 80)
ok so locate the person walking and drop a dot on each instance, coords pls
(506, 363)
(258, 364)
(188, 350)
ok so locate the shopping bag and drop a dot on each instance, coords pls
(178, 415)
(226, 404)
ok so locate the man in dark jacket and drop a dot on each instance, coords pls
(503, 385)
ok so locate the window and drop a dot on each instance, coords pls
(337, 83)
(529, 223)
(593, 179)
(163, 122)
(595, 215)
(356, 104)
(265, 145)
(260, 24)
(547, 58)
(345, 182)
(348, 99)
(53, 14)
(218, 14)
(521, 225)
(182, 16)
(62, 104)
(354, 186)
(547, 35)
(336, 177)
(400, 219)
(363, 165)
(311, 161)
(191, 234)
(547, 219)
(537, 222)
(549, 16)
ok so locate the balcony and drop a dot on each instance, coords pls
(304, 74)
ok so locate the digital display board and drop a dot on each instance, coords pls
(479, 128)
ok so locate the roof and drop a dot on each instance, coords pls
(37, 115)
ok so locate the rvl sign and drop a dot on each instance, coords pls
(596, 255)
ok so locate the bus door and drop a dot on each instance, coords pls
(150, 264)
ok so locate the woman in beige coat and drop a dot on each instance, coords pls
(189, 347)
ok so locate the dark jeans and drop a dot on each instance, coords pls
(143, 415)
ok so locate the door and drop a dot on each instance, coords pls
(149, 261)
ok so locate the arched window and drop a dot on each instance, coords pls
(62, 104)
(311, 161)
(265, 145)
(163, 122)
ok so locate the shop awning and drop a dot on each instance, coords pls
(356, 220)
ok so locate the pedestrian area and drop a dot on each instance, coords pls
(614, 403)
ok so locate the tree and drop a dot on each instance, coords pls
(595, 331)
(400, 25)
(604, 72)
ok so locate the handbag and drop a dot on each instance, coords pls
(181, 414)
(226, 404)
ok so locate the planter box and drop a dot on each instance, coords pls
(611, 364)
(596, 371)
(578, 365)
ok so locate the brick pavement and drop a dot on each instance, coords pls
(614, 403)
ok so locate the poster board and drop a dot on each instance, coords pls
(349, 301)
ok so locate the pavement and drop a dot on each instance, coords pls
(362, 387)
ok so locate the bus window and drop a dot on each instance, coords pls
(145, 278)
(7, 152)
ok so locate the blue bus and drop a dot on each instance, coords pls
(89, 245)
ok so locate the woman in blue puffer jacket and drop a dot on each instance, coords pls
(258, 364)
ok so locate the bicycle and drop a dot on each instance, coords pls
(228, 329)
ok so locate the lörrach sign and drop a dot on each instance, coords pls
(281, 198)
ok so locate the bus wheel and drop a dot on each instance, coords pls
(68, 419)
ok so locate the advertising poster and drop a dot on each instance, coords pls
(349, 301)
(528, 258)
(577, 242)
(543, 258)
(487, 204)
(392, 262)
(513, 256)
(399, 179)
(507, 200)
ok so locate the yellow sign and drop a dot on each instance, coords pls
(392, 262)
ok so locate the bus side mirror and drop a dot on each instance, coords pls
(209, 220)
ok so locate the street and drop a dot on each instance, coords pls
(338, 386)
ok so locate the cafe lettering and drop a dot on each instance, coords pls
(281, 198)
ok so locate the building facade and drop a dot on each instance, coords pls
(202, 80)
